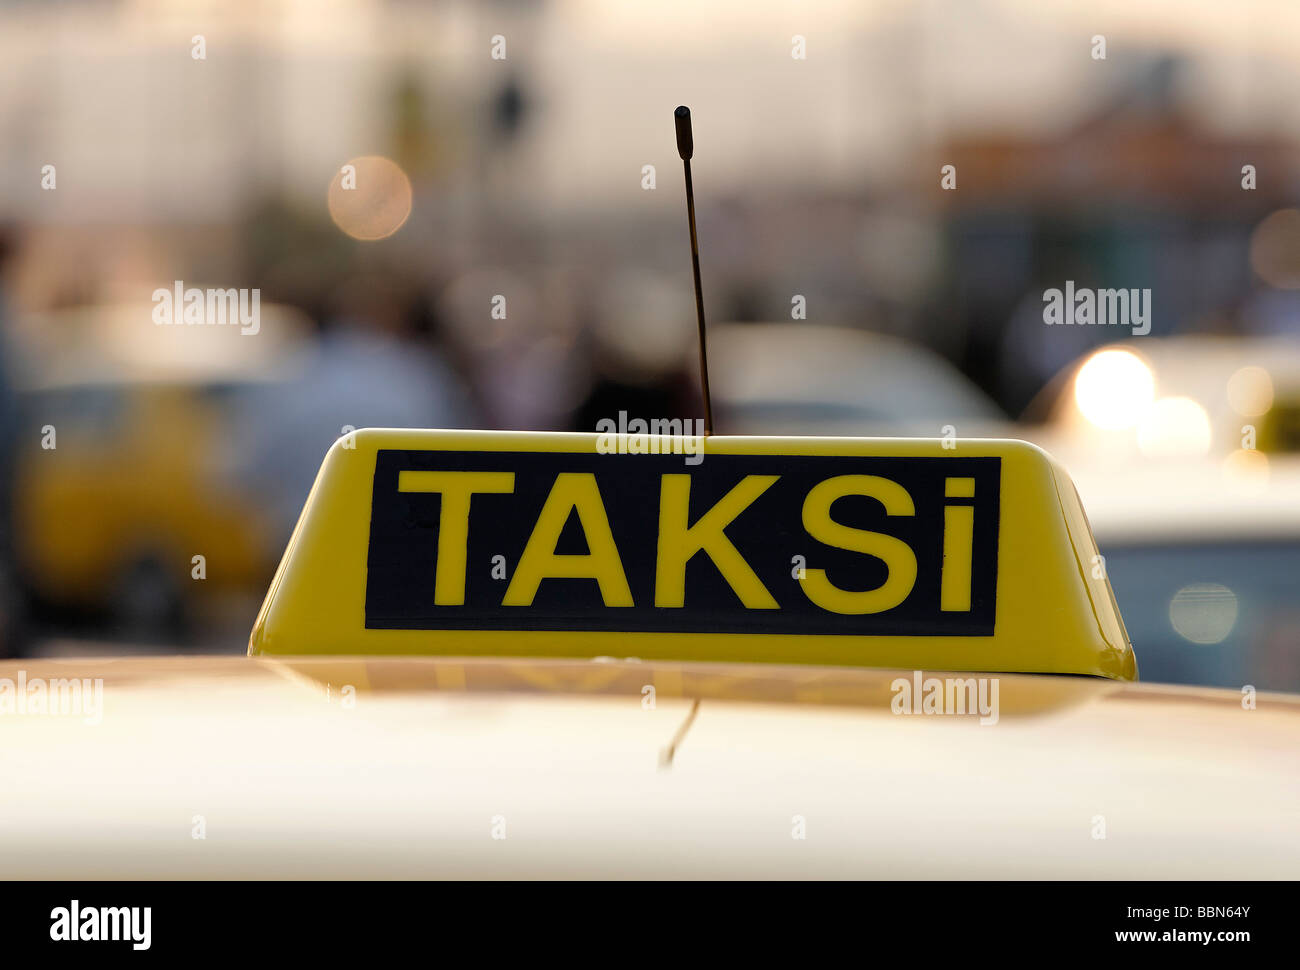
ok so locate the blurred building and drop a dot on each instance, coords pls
(1138, 193)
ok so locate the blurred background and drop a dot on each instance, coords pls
(470, 214)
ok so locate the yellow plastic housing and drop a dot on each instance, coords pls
(1055, 610)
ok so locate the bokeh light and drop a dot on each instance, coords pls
(378, 204)
(1250, 391)
(1203, 612)
(1246, 470)
(1174, 427)
(1275, 249)
(1114, 389)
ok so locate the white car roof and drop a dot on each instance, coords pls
(411, 776)
(1139, 499)
(797, 378)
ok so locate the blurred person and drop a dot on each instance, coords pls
(643, 353)
(367, 369)
(667, 396)
(518, 338)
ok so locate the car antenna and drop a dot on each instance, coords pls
(686, 148)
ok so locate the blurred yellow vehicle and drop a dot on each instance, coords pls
(161, 469)
(129, 495)
(122, 504)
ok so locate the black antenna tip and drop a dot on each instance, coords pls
(685, 140)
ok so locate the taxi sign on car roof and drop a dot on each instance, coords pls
(884, 552)
(850, 551)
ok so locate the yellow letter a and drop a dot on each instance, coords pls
(571, 491)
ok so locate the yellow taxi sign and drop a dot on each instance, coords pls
(888, 552)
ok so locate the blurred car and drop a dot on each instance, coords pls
(805, 379)
(1175, 397)
(126, 501)
(1184, 452)
(145, 447)
(1204, 558)
(113, 515)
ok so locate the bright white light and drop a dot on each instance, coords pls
(1203, 612)
(1114, 389)
(1174, 427)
